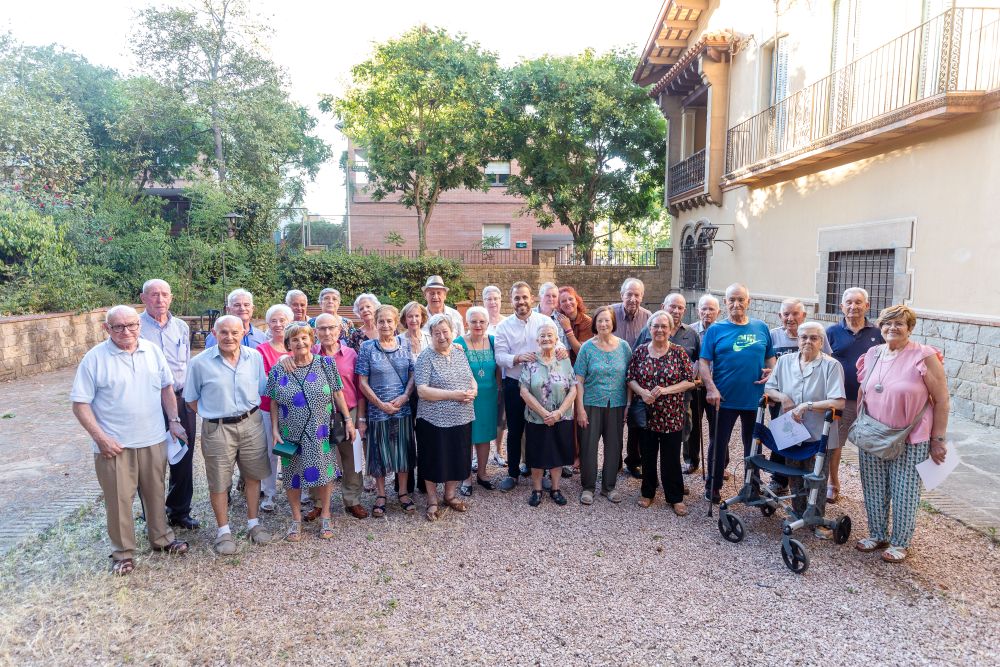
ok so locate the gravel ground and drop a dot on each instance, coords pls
(509, 584)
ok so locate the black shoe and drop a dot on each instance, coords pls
(715, 498)
(689, 468)
(635, 471)
(485, 483)
(557, 496)
(525, 471)
(185, 522)
(536, 498)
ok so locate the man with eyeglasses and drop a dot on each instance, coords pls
(122, 388)
(173, 336)
(240, 303)
(784, 340)
(224, 386)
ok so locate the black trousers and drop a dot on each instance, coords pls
(412, 481)
(776, 456)
(718, 449)
(514, 407)
(692, 446)
(181, 487)
(667, 446)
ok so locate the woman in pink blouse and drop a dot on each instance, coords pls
(900, 380)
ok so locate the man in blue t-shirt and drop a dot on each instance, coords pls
(736, 359)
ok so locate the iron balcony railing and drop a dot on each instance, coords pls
(957, 51)
(688, 175)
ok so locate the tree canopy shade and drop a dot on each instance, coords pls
(425, 110)
(588, 141)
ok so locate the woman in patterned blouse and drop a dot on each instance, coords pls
(659, 373)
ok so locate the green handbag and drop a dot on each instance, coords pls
(285, 448)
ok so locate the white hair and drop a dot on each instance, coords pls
(671, 295)
(855, 290)
(121, 310)
(227, 318)
(336, 319)
(545, 287)
(632, 281)
(237, 293)
(292, 293)
(547, 324)
(328, 290)
(363, 296)
(792, 302)
(149, 284)
(279, 308)
(437, 320)
(705, 298)
(814, 325)
(476, 310)
(659, 314)
(491, 288)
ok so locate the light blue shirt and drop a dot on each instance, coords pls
(223, 390)
(252, 338)
(123, 390)
(173, 339)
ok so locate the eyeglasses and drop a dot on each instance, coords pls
(119, 328)
(814, 338)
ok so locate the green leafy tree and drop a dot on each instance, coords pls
(589, 143)
(424, 108)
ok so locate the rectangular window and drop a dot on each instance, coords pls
(497, 173)
(873, 270)
(501, 232)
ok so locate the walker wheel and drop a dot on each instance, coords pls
(842, 531)
(731, 527)
(795, 556)
(767, 509)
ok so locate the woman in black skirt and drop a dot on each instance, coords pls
(548, 388)
(447, 389)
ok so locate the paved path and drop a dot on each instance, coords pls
(47, 469)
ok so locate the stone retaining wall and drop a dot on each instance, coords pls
(971, 349)
(32, 344)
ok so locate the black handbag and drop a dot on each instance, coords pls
(338, 425)
(637, 413)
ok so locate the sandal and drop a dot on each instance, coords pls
(536, 498)
(409, 505)
(465, 489)
(326, 529)
(456, 504)
(644, 502)
(175, 548)
(122, 567)
(432, 512)
(294, 533)
(868, 545)
(379, 510)
(485, 483)
(558, 497)
(680, 509)
(894, 554)
(832, 494)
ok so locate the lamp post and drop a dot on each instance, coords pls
(230, 230)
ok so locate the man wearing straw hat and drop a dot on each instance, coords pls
(435, 292)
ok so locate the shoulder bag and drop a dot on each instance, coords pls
(874, 437)
(338, 425)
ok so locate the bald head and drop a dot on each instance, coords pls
(738, 303)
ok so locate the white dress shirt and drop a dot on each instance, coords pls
(516, 336)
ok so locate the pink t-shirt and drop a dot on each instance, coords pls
(345, 359)
(271, 357)
(904, 393)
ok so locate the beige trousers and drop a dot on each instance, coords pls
(144, 469)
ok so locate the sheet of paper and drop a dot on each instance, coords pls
(787, 432)
(175, 450)
(357, 452)
(933, 474)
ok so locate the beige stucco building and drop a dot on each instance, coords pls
(818, 145)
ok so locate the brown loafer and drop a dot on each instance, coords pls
(680, 509)
(357, 511)
(644, 502)
(312, 514)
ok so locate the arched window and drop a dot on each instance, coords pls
(694, 258)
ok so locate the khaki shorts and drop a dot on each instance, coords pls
(242, 444)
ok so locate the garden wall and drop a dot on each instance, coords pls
(32, 344)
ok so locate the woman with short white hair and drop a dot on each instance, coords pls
(364, 307)
(479, 350)
(277, 318)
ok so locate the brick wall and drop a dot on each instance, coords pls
(598, 285)
(971, 349)
(33, 344)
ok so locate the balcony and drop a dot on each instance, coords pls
(946, 67)
(687, 177)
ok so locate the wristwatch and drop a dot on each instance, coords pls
(938, 438)
(809, 405)
(176, 419)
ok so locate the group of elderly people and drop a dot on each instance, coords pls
(420, 394)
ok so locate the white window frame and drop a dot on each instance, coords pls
(498, 229)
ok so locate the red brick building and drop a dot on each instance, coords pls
(460, 221)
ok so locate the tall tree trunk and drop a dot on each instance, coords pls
(220, 155)
(421, 232)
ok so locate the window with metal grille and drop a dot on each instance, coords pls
(693, 261)
(873, 270)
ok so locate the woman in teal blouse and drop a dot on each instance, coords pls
(601, 398)
(478, 346)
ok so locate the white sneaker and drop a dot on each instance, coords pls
(267, 505)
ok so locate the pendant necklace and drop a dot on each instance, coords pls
(879, 387)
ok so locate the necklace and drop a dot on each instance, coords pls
(479, 362)
(879, 387)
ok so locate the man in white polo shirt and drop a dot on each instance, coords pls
(435, 291)
(120, 388)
